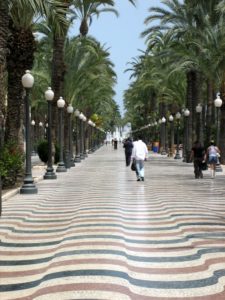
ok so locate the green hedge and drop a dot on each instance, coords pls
(11, 164)
(42, 150)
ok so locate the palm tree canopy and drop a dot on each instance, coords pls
(86, 9)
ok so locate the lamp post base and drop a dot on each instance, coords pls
(67, 159)
(50, 174)
(28, 188)
(77, 159)
(82, 156)
(61, 168)
(177, 156)
(72, 164)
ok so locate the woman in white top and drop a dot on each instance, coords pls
(212, 155)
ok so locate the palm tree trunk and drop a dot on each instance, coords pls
(222, 125)
(198, 98)
(20, 59)
(15, 115)
(195, 100)
(58, 75)
(190, 105)
(209, 113)
(4, 31)
(222, 132)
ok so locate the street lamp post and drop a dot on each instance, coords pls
(81, 115)
(155, 134)
(94, 138)
(178, 116)
(163, 136)
(199, 123)
(85, 136)
(50, 174)
(77, 156)
(33, 153)
(28, 184)
(61, 165)
(149, 132)
(89, 136)
(218, 103)
(46, 131)
(186, 148)
(40, 130)
(171, 135)
(70, 144)
(1, 145)
(160, 133)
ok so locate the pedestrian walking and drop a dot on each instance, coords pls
(115, 143)
(197, 155)
(128, 146)
(139, 154)
(212, 155)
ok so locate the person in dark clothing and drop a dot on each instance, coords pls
(128, 146)
(115, 143)
(197, 155)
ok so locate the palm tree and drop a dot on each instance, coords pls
(58, 63)
(90, 74)
(185, 21)
(21, 47)
(157, 85)
(90, 77)
(85, 9)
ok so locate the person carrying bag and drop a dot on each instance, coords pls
(133, 165)
(140, 154)
(212, 155)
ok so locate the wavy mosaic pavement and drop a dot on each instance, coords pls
(96, 233)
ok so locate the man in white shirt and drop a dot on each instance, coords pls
(140, 154)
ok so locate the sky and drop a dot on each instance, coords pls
(122, 36)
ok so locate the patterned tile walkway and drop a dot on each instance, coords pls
(96, 233)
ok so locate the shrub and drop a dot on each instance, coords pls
(11, 164)
(42, 150)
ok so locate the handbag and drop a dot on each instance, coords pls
(133, 166)
(204, 166)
